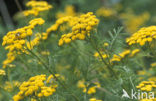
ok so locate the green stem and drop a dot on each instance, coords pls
(108, 67)
(46, 67)
(52, 73)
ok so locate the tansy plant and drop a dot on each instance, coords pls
(78, 56)
(19, 40)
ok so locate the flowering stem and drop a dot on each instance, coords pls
(46, 67)
(63, 85)
(108, 66)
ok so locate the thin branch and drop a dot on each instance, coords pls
(18, 5)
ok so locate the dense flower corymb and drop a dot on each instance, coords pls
(68, 19)
(37, 7)
(18, 41)
(146, 85)
(146, 34)
(38, 86)
(81, 27)
(14, 40)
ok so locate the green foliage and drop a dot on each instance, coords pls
(76, 61)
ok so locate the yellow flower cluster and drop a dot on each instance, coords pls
(68, 19)
(37, 86)
(132, 21)
(104, 56)
(30, 44)
(105, 12)
(10, 58)
(36, 7)
(117, 57)
(146, 34)
(69, 11)
(90, 90)
(124, 54)
(146, 85)
(94, 99)
(15, 41)
(81, 27)
(2, 72)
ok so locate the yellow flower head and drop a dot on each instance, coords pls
(146, 34)
(17, 41)
(37, 86)
(37, 7)
(81, 27)
(146, 85)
